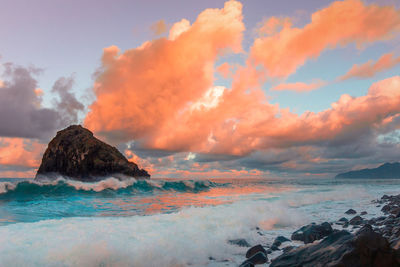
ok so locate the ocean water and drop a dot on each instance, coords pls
(166, 222)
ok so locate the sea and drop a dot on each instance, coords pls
(167, 222)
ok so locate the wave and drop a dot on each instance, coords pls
(110, 185)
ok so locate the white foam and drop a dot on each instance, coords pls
(179, 239)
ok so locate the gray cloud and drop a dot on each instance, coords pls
(21, 113)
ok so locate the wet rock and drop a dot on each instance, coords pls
(365, 248)
(258, 258)
(246, 264)
(351, 211)
(386, 208)
(254, 250)
(312, 232)
(363, 213)
(279, 241)
(239, 242)
(288, 248)
(357, 220)
(76, 154)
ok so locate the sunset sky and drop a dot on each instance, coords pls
(203, 89)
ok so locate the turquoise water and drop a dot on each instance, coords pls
(165, 222)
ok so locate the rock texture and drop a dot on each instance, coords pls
(312, 232)
(76, 154)
(341, 248)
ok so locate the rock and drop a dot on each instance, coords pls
(312, 232)
(363, 213)
(288, 248)
(279, 240)
(386, 208)
(258, 258)
(351, 211)
(75, 153)
(239, 242)
(343, 219)
(365, 248)
(357, 220)
(246, 264)
(254, 250)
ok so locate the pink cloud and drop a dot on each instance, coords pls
(370, 68)
(20, 152)
(299, 86)
(284, 48)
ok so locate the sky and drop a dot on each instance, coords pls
(205, 89)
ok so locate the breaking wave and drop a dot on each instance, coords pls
(108, 186)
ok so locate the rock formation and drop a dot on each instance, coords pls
(76, 154)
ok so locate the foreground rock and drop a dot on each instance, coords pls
(312, 232)
(365, 248)
(76, 154)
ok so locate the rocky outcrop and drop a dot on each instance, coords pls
(341, 248)
(76, 154)
(312, 232)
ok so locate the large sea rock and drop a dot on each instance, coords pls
(76, 154)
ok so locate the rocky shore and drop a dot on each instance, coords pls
(354, 242)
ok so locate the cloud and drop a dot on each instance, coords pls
(20, 152)
(371, 68)
(163, 96)
(21, 113)
(66, 104)
(142, 90)
(299, 86)
(159, 27)
(282, 48)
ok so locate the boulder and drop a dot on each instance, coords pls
(365, 248)
(279, 240)
(351, 211)
(312, 232)
(74, 153)
(254, 250)
(258, 258)
(357, 220)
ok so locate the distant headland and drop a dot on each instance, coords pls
(74, 153)
(385, 171)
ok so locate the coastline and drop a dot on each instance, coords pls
(359, 242)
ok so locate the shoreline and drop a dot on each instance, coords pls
(359, 242)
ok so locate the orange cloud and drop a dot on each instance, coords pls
(162, 94)
(225, 70)
(299, 86)
(343, 22)
(20, 152)
(143, 89)
(370, 68)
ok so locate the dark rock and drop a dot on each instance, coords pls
(357, 220)
(254, 250)
(312, 232)
(343, 219)
(274, 248)
(363, 213)
(246, 264)
(288, 248)
(351, 211)
(386, 208)
(76, 154)
(365, 248)
(279, 240)
(258, 258)
(239, 242)
(345, 225)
